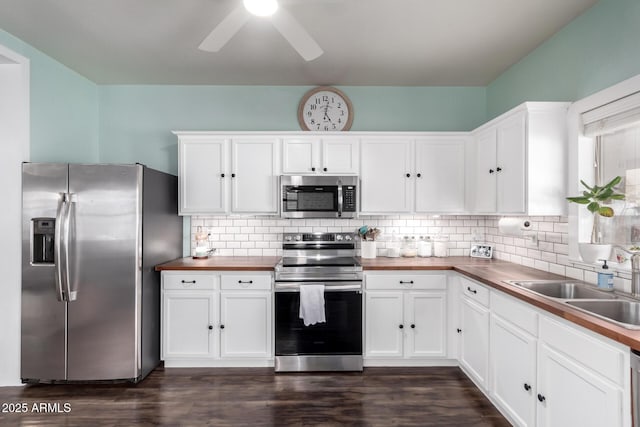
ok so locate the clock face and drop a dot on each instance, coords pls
(325, 109)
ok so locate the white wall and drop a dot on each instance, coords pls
(14, 149)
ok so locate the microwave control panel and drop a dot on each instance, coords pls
(349, 198)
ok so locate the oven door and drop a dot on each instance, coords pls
(341, 334)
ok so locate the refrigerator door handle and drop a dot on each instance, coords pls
(70, 213)
(57, 247)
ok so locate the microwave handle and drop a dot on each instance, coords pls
(340, 199)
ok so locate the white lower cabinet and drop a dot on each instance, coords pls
(512, 347)
(216, 320)
(474, 333)
(405, 319)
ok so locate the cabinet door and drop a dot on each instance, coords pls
(440, 175)
(202, 176)
(245, 324)
(425, 324)
(513, 370)
(474, 350)
(340, 156)
(254, 179)
(571, 395)
(386, 176)
(510, 164)
(485, 184)
(189, 327)
(383, 318)
(300, 155)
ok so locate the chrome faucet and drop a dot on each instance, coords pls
(635, 271)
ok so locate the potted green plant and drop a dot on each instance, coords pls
(596, 199)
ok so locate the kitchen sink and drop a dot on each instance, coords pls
(622, 312)
(562, 289)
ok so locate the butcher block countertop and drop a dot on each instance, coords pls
(213, 263)
(492, 273)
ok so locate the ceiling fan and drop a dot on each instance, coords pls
(282, 20)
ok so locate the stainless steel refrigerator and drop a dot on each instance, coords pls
(91, 236)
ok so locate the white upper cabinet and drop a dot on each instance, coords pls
(254, 178)
(320, 155)
(221, 174)
(521, 158)
(440, 174)
(386, 172)
(202, 176)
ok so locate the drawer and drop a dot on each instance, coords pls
(475, 292)
(590, 351)
(515, 312)
(249, 281)
(406, 281)
(189, 281)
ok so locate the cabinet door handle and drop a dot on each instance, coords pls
(221, 175)
(413, 326)
(245, 281)
(491, 170)
(210, 327)
(459, 330)
(221, 326)
(527, 387)
(472, 290)
(498, 169)
(419, 175)
(541, 398)
(408, 175)
(188, 281)
(313, 169)
(233, 175)
(401, 326)
(324, 169)
(404, 282)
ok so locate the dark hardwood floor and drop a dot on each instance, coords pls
(441, 396)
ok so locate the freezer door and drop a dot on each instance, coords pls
(105, 310)
(43, 313)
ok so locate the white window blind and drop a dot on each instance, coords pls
(614, 116)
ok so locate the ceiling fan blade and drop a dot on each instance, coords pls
(297, 36)
(226, 29)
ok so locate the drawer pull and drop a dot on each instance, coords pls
(221, 326)
(210, 327)
(189, 281)
(458, 330)
(413, 326)
(472, 290)
(541, 398)
(245, 281)
(404, 282)
(527, 387)
(401, 326)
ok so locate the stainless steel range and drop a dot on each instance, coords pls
(328, 259)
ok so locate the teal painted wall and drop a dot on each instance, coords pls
(596, 50)
(64, 108)
(136, 121)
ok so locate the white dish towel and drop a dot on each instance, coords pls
(312, 304)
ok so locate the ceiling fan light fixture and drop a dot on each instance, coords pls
(261, 7)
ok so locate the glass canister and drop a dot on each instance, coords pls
(202, 243)
(441, 246)
(409, 247)
(425, 248)
(393, 247)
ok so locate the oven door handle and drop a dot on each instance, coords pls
(295, 287)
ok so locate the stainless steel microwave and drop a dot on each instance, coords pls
(308, 196)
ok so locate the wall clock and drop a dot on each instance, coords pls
(325, 108)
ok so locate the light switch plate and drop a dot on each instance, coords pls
(481, 251)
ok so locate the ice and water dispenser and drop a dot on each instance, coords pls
(42, 240)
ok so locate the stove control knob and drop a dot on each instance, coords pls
(288, 238)
(298, 237)
(338, 237)
(348, 237)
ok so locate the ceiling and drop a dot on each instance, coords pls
(365, 42)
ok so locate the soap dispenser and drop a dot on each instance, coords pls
(605, 278)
